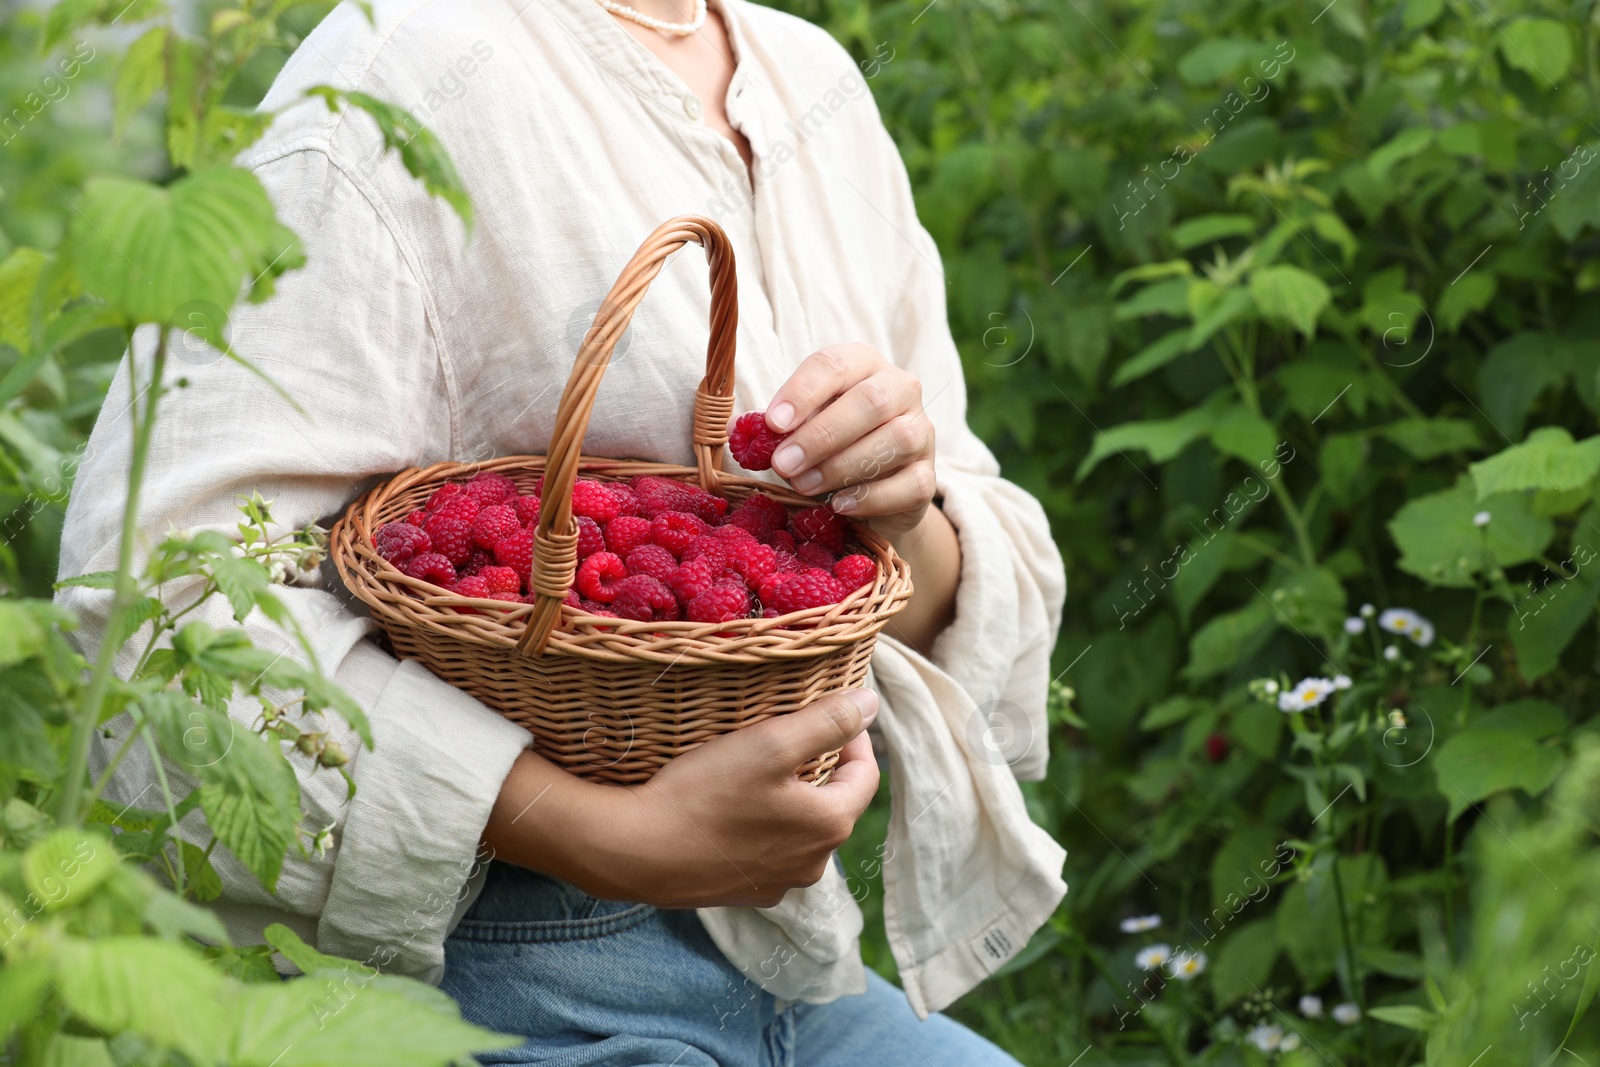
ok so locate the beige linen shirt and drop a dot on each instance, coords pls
(406, 342)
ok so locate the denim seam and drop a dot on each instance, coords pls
(536, 931)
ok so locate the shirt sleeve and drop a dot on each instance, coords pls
(349, 337)
(1013, 584)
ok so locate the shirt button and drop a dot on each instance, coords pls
(692, 108)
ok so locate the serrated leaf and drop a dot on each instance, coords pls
(200, 877)
(243, 581)
(1439, 542)
(93, 580)
(142, 72)
(66, 867)
(171, 916)
(1479, 763)
(1547, 459)
(257, 832)
(1290, 295)
(19, 277)
(152, 988)
(1162, 439)
(21, 636)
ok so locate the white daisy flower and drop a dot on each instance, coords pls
(1354, 624)
(1307, 693)
(1290, 1042)
(1342, 681)
(1140, 923)
(1481, 519)
(1187, 966)
(1391, 653)
(1346, 1014)
(1409, 623)
(1368, 611)
(1311, 1006)
(1152, 956)
(1264, 1037)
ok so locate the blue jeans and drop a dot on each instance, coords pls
(595, 983)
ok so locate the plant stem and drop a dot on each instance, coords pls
(69, 806)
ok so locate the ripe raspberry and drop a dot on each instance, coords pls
(480, 558)
(590, 539)
(573, 600)
(626, 533)
(595, 608)
(627, 499)
(733, 533)
(815, 555)
(473, 586)
(721, 603)
(856, 571)
(1216, 748)
(516, 552)
(594, 500)
(769, 613)
(673, 530)
(751, 561)
(598, 576)
(711, 549)
(527, 509)
(813, 589)
(821, 525)
(658, 495)
(452, 538)
(444, 494)
(494, 524)
(767, 588)
(643, 598)
(501, 579)
(430, 567)
(398, 542)
(509, 598)
(692, 579)
(538, 487)
(417, 518)
(752, 441)
(652, 560)
(760, 514)
(491, 487)
(461, 508)
(782, 542)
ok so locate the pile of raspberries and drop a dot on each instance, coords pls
(649, 549)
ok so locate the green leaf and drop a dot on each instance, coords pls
(1246, 436)
(1231, 305)
(1218, 58)
(1163, 439)
(1547, 459)
(1541, 48)
(1149, 272)
(1199, 572)
(1227, 639)
(68, 1051)
(257, 831)
(1308, 925)
(1208, 229)
(243, 581)
(1244, 962)
(1534, 719)
(24, 986)
(1468, 293)
(1343, 459)
(93, 580)
(152, 252)
(1402, 146)
(1439, 543)
(172, 916)
(1330, 226)
(1546, 622)
(1153, 357)
(1514, 375)
(1406, 1015)
(152, 988)
(1432, 438)
(67, 866)
(1478, 763)
(21, 636)
(19, 279)
(1237, 874)
(1170, 297)
(1310, 600)
(200, 877)
(1173, 710)
(142, 72)
(1420, 13)
(1290, 295)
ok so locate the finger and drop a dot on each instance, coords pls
(851, 786)
(858, 411)
(826, 724)
(901, 440)
(908, 489)
(821, 376)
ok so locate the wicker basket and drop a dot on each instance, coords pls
(610, 699)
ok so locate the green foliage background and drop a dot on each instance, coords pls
(1266, 301)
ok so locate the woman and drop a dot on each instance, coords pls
(576, 130)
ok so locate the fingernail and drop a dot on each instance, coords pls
(789, 458)
(865, 700)
(842, 503)
(807, 481)
(780, 415)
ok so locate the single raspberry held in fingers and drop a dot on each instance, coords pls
(693, 578)
(652, 560)
(752, 441)
(723, 602)
(527, 509)
(856, 571)
(516, 552)
(821, 525)
(430, 567)
(399, 541)
(480, 558)
(417, 518)
(501, 579)
(590, 539)
(598, 576)
(594, 500)
(494, 524)
(815, 555)
(626, 533)
(452, 538)
(813, 589)
(643, 599)
(673, 530)
(491, 487)
(473, 586)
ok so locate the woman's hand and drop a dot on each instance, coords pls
(857, 429)
(726, 824)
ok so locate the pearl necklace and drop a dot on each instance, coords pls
(674, 29)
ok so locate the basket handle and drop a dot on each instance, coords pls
(555, 540)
